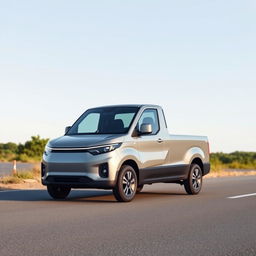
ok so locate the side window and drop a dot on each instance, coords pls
(126, 118)
(150, 116)
(89, 124)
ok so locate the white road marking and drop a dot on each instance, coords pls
(240, 196)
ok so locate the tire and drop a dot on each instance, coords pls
(139, 188)
(58, 192)
(126, 186)
(194, 182)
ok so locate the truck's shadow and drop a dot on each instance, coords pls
(96, 196)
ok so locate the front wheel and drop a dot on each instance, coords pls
(126, 185)
(193, 183)
(58, 192)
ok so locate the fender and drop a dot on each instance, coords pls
(129, 153)
(192, 153)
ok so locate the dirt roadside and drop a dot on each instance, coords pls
(26, 184)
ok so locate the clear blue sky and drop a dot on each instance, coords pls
(195, 58)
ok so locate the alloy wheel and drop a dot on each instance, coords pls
(196, 179)
(129, 183)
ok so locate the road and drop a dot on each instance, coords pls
(162, 220)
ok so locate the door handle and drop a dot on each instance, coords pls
(159, 140)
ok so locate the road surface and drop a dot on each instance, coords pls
(162, 220)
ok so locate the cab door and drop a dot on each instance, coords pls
(150, 147)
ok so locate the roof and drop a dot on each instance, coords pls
(127, 105)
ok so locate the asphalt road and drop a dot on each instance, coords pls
(162, 220)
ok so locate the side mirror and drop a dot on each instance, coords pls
(67, 129)
(145, 129)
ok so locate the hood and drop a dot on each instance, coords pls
(79, 141)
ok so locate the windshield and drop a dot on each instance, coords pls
(106, 120)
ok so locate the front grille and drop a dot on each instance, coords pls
(68, 179)
(69, 151)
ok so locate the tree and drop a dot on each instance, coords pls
(34, 148)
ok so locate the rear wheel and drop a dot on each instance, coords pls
(58, 192)
(126, 185)
(193, 184)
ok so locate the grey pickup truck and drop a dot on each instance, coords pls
(123, 147)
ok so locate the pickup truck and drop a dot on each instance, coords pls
(123, 147)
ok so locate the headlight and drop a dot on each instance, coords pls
(47, 150)
(104, 149)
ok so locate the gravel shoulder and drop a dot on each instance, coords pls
(26, 184)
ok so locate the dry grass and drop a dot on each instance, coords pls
(10, 180)
(24, 175)
(226, 173)
(20, 177)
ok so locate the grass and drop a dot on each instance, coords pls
(217, 167)
(235, 160)
(220, 167)
(10, 180)
(19, 177)
(24, 175)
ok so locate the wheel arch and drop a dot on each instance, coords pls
(133, 164)
(198, 161)
(195, 155)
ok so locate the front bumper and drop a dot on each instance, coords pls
(79, 169)
(77, 182)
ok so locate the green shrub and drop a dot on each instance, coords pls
(31, 151)
(235, 160)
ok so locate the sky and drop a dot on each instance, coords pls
(197, 59)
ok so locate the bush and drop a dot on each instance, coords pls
(235, 160)
(31, 151)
